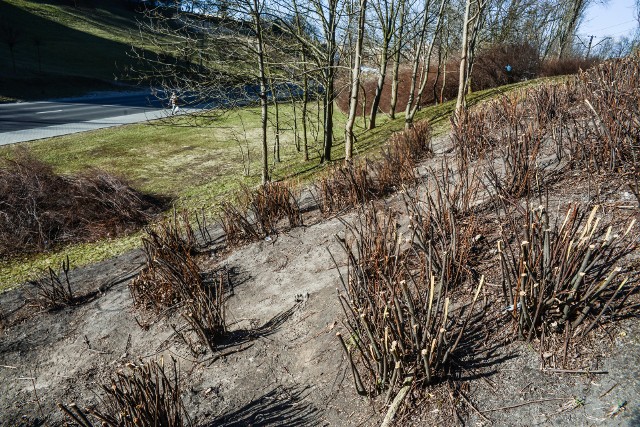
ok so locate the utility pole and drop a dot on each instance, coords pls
(589, 48)
(585, 45)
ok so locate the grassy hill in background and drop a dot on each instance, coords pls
(60, 49)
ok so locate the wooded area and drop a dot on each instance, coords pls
(371, 56)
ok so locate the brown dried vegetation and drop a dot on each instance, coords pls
(258, 213)
(53, 290)
(40, 209)
(172, 278)
(402, 320)
(353, 184)
(147, 395)
(564, 275)
(411, 294)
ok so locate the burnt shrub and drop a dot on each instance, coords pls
(144, 394)
(40, 208)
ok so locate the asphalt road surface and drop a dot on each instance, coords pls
(27, 121)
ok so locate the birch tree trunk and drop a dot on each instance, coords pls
(416, 63)
(355, 84)
(462, 75)
(387, 13)
(264, 116)
(411, 112)
(396, 61)
(467, 49)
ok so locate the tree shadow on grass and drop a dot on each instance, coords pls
(281, 406)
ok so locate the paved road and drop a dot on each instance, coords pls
(27, 121)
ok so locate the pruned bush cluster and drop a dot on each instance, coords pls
(259, 212)
(403, 321)
(349, 185)
(564, 274)
(589, 122)
(40, 208)
(612, 96)
(144, 394)
(170, 248)
(172, 278)
(559, 276)
(53, 289)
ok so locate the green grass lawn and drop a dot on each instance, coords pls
(198, 166)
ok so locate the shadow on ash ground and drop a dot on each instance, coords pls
(288, 369)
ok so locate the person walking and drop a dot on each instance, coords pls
(173, 103)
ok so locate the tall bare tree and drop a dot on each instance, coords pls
(322, 49)
(355, 82)
(389, 21)
(572, 12)
(211, 60)
(414, 101)
(399, 40)
(255, 8)
(471, 24)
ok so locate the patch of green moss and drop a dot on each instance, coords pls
(16, 271)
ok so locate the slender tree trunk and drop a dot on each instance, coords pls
(264, 116)
(566, 33)
(444, 79)
(416, 64)
(305, 85)
(396, 64)
(276, 110)
(395, 80)
(468, 50)
(438, 72)
(328, 117)
(375, 104)
(319, 100)
(355, 85)
(329, 73)
(425, 76)
(364, 103)
(462, 76)
(296, 128)
(305, 107)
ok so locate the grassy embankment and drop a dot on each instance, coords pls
(197, 166)
(60, 50)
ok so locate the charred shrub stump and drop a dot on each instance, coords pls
(402, 321)
(173, 278)
(145, 394)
